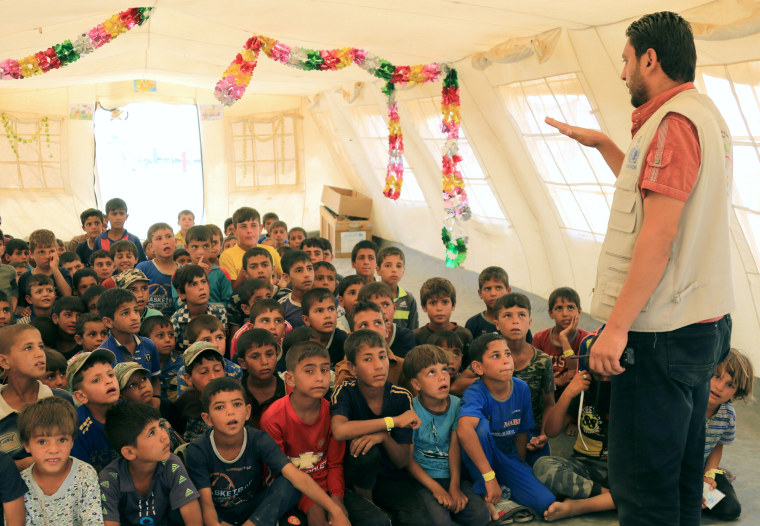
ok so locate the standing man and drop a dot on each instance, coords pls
(663, 285)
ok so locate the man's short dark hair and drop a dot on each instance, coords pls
(186, 275)
(421, 357)
(82, 273)
(564, 292)
(111, 300)
(303, 350)
(364, 243)
(292, 257)
(198, 233)
(99, 254)
(123, 245)
(670, 36)
(68, 257)
(479, 345)
(362, 306)
(126, 420)
(87, 317)
(72, 303)
(376, 288)
(513, 299)
(313, 296)
(362, 338)
(348, 281)
(91, 212)
(245, 213)
(116, 204)
(390, 251)
(256, 251)
(219, 385)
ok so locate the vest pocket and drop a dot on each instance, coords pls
(622, 212)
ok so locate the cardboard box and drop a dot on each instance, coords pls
(342, 232)
(346, 202)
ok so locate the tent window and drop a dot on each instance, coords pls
(735, 90)
(266, 152)
(372, 128)
(426, 114)
(577, 178)
(38, 163)
(150, 156)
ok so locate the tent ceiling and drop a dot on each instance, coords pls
(192, 41)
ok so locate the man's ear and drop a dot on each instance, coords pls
(80, 397)
(128, 452)
(477, 367)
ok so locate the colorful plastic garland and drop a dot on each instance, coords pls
(236, 78)
(66, 52)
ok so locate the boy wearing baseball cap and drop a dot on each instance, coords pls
(203, 363)
(137, 283)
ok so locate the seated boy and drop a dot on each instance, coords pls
(62, 489)
(43, 250)
(82, 280)
(160, 331)
(137, 283)
(257, 264)
(147, 483)
(297, 265)
(391, 264)
(450, 342)
(216, 245)
(22, 356)
(91, 296)
(438, 298)
(66, 312)
(94, 385)
(296, 236)
(185, 221)
(102, 263)
(348, 295)
(564, 339)
(325, 276)
(160, 269)
(278, 234)
(192, 287)
(40, 295)
(319, 313)
(300, 422)
(377, 417)
(493, 283)
(90, 332)
(71, 262)
(313, 247)
(55, 370)
(495, 418)
(92, 224)
(364, 259)
(400, 339)
(124, 255)
(258, 353)
(436, 461)
(203, 362)
(17, 251)
(265, 314)
(198, 244)
(116, 215)
(247, 228)
(181, 257)
(118, 309)
(267, 221)
(233, 455)
(239, 308)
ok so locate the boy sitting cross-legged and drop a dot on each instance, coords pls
(390, 267)
(22, 356)
(258, 353)
(94, 385)
(300, 424)
(400, 339)
(438, 298)
(377, 417)
(297, 265)
(62, 489)
(160, 269)
(226, 465)
(436, 459)
(319, 313)
(147, 484)
(192, 287)
(495, 419)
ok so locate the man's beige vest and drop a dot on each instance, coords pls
(697, 284)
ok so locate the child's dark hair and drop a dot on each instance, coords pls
(437, 288)
(220, 385)
(513, 299)
(215, 231)
(82, 273)
(255, 338)
(268, 216)
(186, 275)
(227, 222)
(493, 274)
(245, 213)
(325, 264)
(91, 292)
(116, 204)
(390, 251)
(155, 227)
(292, 257)
(479, 345)
(199, 324)
(150, 323)
(248, 288)
(76, 382)
(179, 252)
(313, 296)
(564, 292)
(55, 361)
(421, 357)
(90, 212)
(4, 298)
(126, 420)
(41, 238)
(72, 303)
(37, 280)
(364, 243)
(206, 354)
(45, 417)
(198, 233)
(326, 245)
(362, 338)
(15, 244)
(312, 242)
(376, 288)
(87, 317)
(348, 281)
(263, 306)
(298, 335)
(278, 224)
(185, 213)
(256, 251)
(123, 245)
(303, 350)
(447, 338)
(297, 229)
(99, 254)
(111, 300)
(362, 306)
(739, 367)
(68, 257)
(48, 330)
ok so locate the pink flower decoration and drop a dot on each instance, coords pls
(358, 55)
(280, 52)
(401, 75)
(253, 43)
(99, 35)
(431, 71)
(330, 59)
(9, 69)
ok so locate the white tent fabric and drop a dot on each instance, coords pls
(187, 44)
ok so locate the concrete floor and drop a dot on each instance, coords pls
(741, 457)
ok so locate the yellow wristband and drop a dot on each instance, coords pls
(389, 423)
(710, 473)
(488, 477)
(568, 352)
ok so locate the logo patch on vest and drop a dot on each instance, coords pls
(633, 157)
